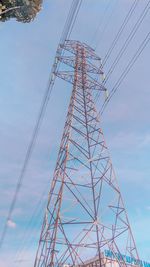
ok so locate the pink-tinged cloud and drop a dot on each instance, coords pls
(11, 224)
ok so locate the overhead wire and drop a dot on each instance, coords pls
(101, 21)
(120, 31)
(67, 31)
(126, 44)
(128, 40)
(68, 23)
(126, 71)
(74, 20)
(108, 21)
(117, 37)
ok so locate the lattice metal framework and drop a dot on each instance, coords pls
(85, 213)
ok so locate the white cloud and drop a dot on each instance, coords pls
(11, 224)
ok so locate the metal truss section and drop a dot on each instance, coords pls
(91, 83)
(85, 214)
(70, 61)
(70, 45)
(94, 70)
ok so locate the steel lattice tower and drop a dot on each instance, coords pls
(85, 214)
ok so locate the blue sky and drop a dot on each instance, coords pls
(27, 52)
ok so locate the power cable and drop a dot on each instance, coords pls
(74, 20)
(120, 31)
(126, 44)
(126, 71)
(103, 31)
(101, 21)
(128, 40)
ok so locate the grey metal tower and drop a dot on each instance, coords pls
(85, 214)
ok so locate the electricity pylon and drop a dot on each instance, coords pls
(85, 214)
